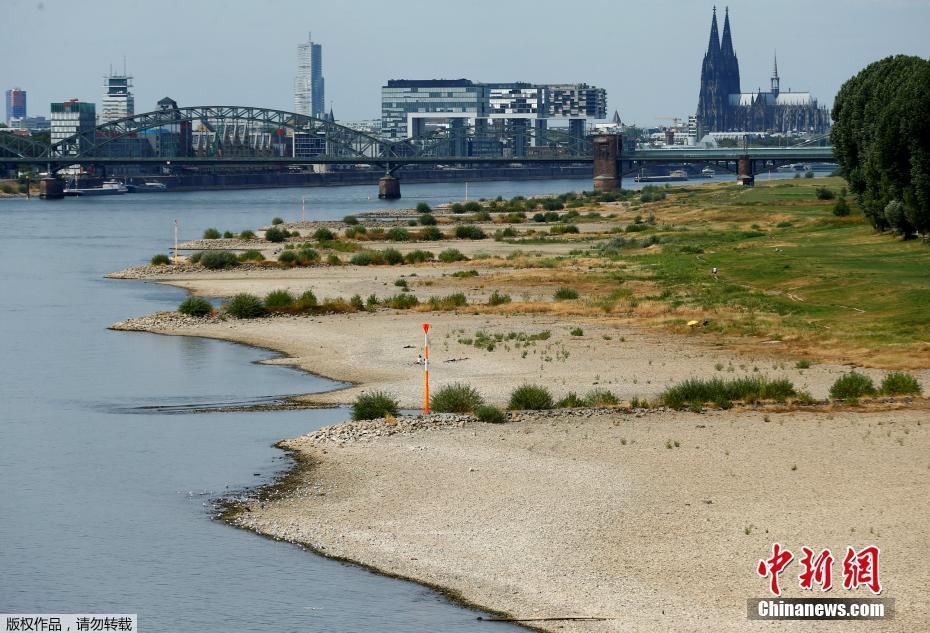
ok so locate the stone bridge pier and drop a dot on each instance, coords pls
(607, 150)
(745, 174)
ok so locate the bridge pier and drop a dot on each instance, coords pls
(51, 189)
(744, 172)
(607, 149)
(388, 187)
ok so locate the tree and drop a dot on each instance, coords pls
(881, 139)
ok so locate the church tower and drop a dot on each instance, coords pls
(775, 87)
(713, 98)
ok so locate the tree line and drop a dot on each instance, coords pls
(881, 140)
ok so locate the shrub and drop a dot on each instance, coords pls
(274, 234)
(898, 383)
(721, 391)
(277, 299)
(530, 397)
(211, 234)
(469, 232)
(600, 398)
(392, 256)
(245, 306)
(357, 303)
(565, 294)
(427, 219)
(481, 216)
(160, 260)
(372, 405)
(808, 174)
(276, 221)
(457, 207)
(449, 302)
(363, 258)
(251, 255)
(501, 234)
(451, 255)
(570, 401)
(561, 229)
(430, 234)
(288, 257)
(422, 207)
(418, 256)
(307, 256)
(471, 207)
(196, 257)
(216, 260)
(852, 385)
(577, 331)
(323, 234)
(350, 220)
(306, 300)
(402, 301)
(465, 273)
(247, 235)
(497, 299)
(456, 398)
(333, 260)
(228, 235)
(823, 193)
(196, 307)
(841, 208)
(552, 205)
(397, 234)
(490, 414)
(539, 217)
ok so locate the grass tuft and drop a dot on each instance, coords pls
(456, 398)
(530, 397)
(373, 404)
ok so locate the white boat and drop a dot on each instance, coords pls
(707, 172)
(108, 188)
(147, 187)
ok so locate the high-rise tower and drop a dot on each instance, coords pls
(308, 86)
(118, 100)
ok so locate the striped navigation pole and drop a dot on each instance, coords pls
(175, 242)
(426, 368)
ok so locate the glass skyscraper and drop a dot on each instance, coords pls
(308, 86)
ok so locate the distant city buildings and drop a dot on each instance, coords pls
(309, 98)
(74, 117)
(15, 101)
(118, 100)
(724, 107)
(410, 106)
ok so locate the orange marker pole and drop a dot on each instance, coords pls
(426, 368)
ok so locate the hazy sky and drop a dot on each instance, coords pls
(646, 54)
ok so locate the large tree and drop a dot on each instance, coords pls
(881, 139)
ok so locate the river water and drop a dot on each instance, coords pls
(106, 480)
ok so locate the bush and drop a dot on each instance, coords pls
(823, 193)
(323, 234)
(277, 221)
(490, 414)
(351, 220)
(333, 260)
(401, 302)
(530, 397)
(552, 205)
(497, 299)
(196, 307)
(274, 234)
(502, 234)
(841, 208)
(245, 306)
(471, 207)
(570, 401)
(247, 235)
(539, 217)
(211, 234)
(469, 232)
(451, 255)
(288, 257)
(898, 383)
(852, 385)
(307, 256)
(565, 294)
(306, 300)
(560, 229)
(457, 207)
(251, 255)
(357, 303)
(721, 391)
(449, 302)
(392, 256)
(809, 174)
(397, 234)
(422, 207)
(601, 398)
(577, 331)
(160, 260)
(228, 235)
(372, 405)
(277, 299)
(363, 258)
(480, 216)
(427, 219)
(418, 256)
(430, 234)
(216, 260)
(196, 257)
(456, 398)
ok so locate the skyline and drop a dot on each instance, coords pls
(364, 49)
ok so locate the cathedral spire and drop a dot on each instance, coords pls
(775, 80)
(727, 44)
(713, 46)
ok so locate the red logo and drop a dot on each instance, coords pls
(860, 568)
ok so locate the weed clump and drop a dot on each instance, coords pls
(899, 383)
(218, 260)
(456, 398)
(490, 414)
(451, 255)
(196, 307)
(251, 255)
(565, 294)
(497, 299)
(211, 234)
(852, 385)
(530, 397)
(274, 234)
(372, 405)
(245, 306)
(278, 299)
(160, 260)
(721, 391)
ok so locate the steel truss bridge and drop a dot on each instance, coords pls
(238, 135)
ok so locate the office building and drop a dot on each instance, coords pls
(309, 98)
(70, 118)
(15, 100)
(118, 100)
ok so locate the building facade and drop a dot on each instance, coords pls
(409, 107)
(309, 97)
(118, 100)
(724, 107)
(74, 117)
(15, 101)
